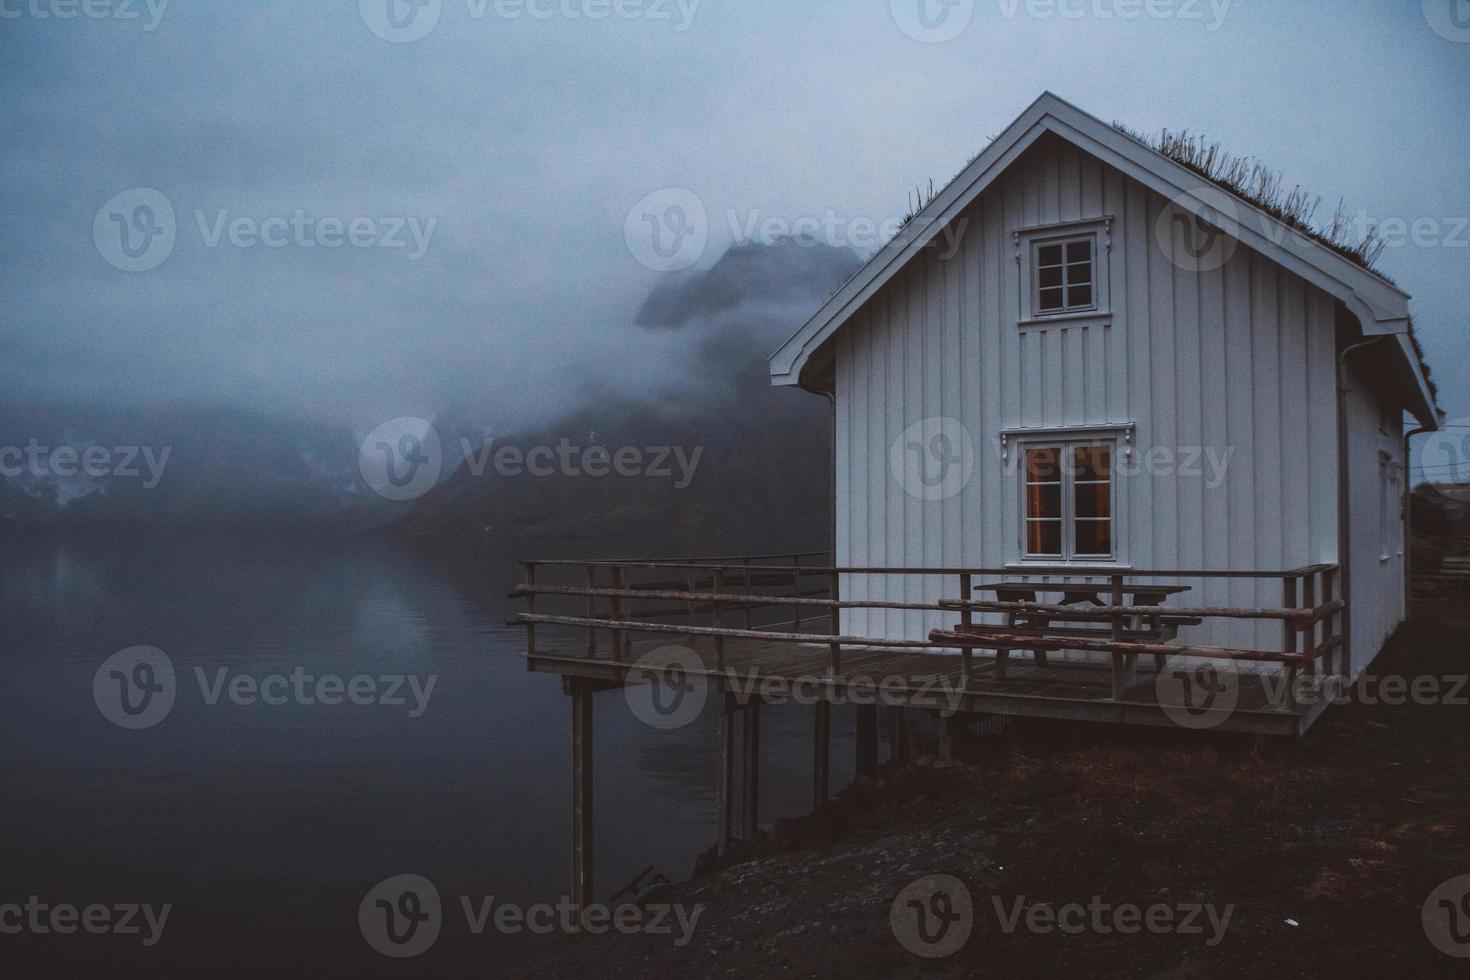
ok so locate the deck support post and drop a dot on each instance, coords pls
(866, 732)
(821, 746)
(592, 610)
(581, 694)
(950, 727)
(725, 789)
(751, 762)
(898, 733)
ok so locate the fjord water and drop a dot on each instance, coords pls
(265, 825)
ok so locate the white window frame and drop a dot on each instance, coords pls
(1119, 439)
(1029, 241)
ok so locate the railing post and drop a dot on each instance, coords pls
(693, 604)
(796, 592)
(717, 585)
(1309, 638)
(835, 623)
(1329, 625)
(530, 608)
(1289, 635)
(1117, 618)
(967, 618)
(617, 612)
(746, 604)
(591, 611)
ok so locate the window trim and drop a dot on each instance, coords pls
(1028, 240)
(1120, 438)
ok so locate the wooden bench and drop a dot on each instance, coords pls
(1158, 629)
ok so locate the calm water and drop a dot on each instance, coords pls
(265, 825)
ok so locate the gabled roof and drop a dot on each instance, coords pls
(1379, 305)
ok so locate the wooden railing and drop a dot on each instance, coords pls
(698, 596)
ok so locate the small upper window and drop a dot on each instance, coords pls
(1064, 275)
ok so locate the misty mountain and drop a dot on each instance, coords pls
(717, 456)
(761, 455)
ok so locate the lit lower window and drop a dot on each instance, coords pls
(1069, 501)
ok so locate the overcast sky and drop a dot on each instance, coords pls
(517, 145)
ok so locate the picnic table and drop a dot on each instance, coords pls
(1083, 594)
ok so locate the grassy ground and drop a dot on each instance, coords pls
(1345, 832)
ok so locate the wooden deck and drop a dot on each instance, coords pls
(1064, 689)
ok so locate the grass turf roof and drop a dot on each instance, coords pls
(1251, 180)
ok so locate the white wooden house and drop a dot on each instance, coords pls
(1082, 353)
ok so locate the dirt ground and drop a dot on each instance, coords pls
(1345, 833)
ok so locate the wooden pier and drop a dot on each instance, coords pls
(762, 629)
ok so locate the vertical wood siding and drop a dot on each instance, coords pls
(1238, 360)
